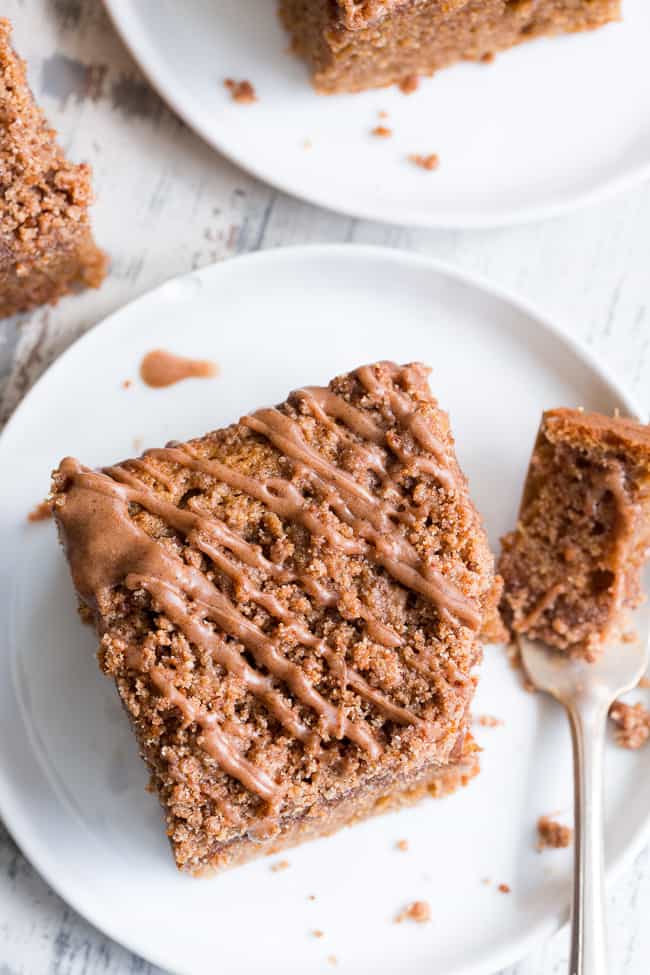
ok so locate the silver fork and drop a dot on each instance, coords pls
(587, 690)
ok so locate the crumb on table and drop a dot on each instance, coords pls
(127, 383)
(418, 911)
(317, 933)
(382, 131)
(402, 845)
(504, 888)
(332, 959)
(632, 723)
(311, 897)
(382, 114)
(428, 162)
(644, 682)
(552, 835)
(280, 865)
(242, 92)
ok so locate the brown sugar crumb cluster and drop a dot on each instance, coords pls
(632, 724)
(572, 566)
(350, 46)
(552, 834)
(291, 609)
(46, 245)
(428, 162)
(418, 911)
(242, 92)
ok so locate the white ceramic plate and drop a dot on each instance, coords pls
(71, 783)
(549, 126)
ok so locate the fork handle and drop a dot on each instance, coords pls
(588, 956)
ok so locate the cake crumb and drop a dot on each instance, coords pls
(382, 131)
(504, 888)
(332, 959)
(311, 897)
(632, 724)
(382, 114)
(430, 162)
(402, 845)
(418, 911)
(644, 682)
(127, 383)
(488, 721)
(486, 881)
(552, 835)
(317, 933)
(41, 512)
(242, 92)
(280, 865)
(409, 84)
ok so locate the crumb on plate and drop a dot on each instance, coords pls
(242, 92)
(428, 162)
(552, 835)
(632, 723)
(418, 911)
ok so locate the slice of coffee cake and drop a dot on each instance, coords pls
(351, 45)
(291, 610)
(573, 563)
(46, 245)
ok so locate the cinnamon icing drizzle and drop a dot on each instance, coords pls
(106, 548)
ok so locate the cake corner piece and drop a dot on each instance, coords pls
(572, 566)
(291, 610)
(46, 244)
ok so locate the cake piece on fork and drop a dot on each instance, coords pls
(572, 566)
(291, 608)
(351, 45)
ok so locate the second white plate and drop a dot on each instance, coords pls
(71, 783)
(551, 125)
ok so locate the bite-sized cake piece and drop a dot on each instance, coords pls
(573, 563)
(350, 45)
(291, 609)
(46, 245)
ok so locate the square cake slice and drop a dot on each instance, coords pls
(291, 609)
(351, 45)
(46, 245)
(573, 564)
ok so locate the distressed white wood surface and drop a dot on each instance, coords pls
(166, 204)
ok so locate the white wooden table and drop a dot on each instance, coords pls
(167, 204)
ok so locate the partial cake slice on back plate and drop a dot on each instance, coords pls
(351, 45)
(573, 564)
(291, 608)
(46, 244)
